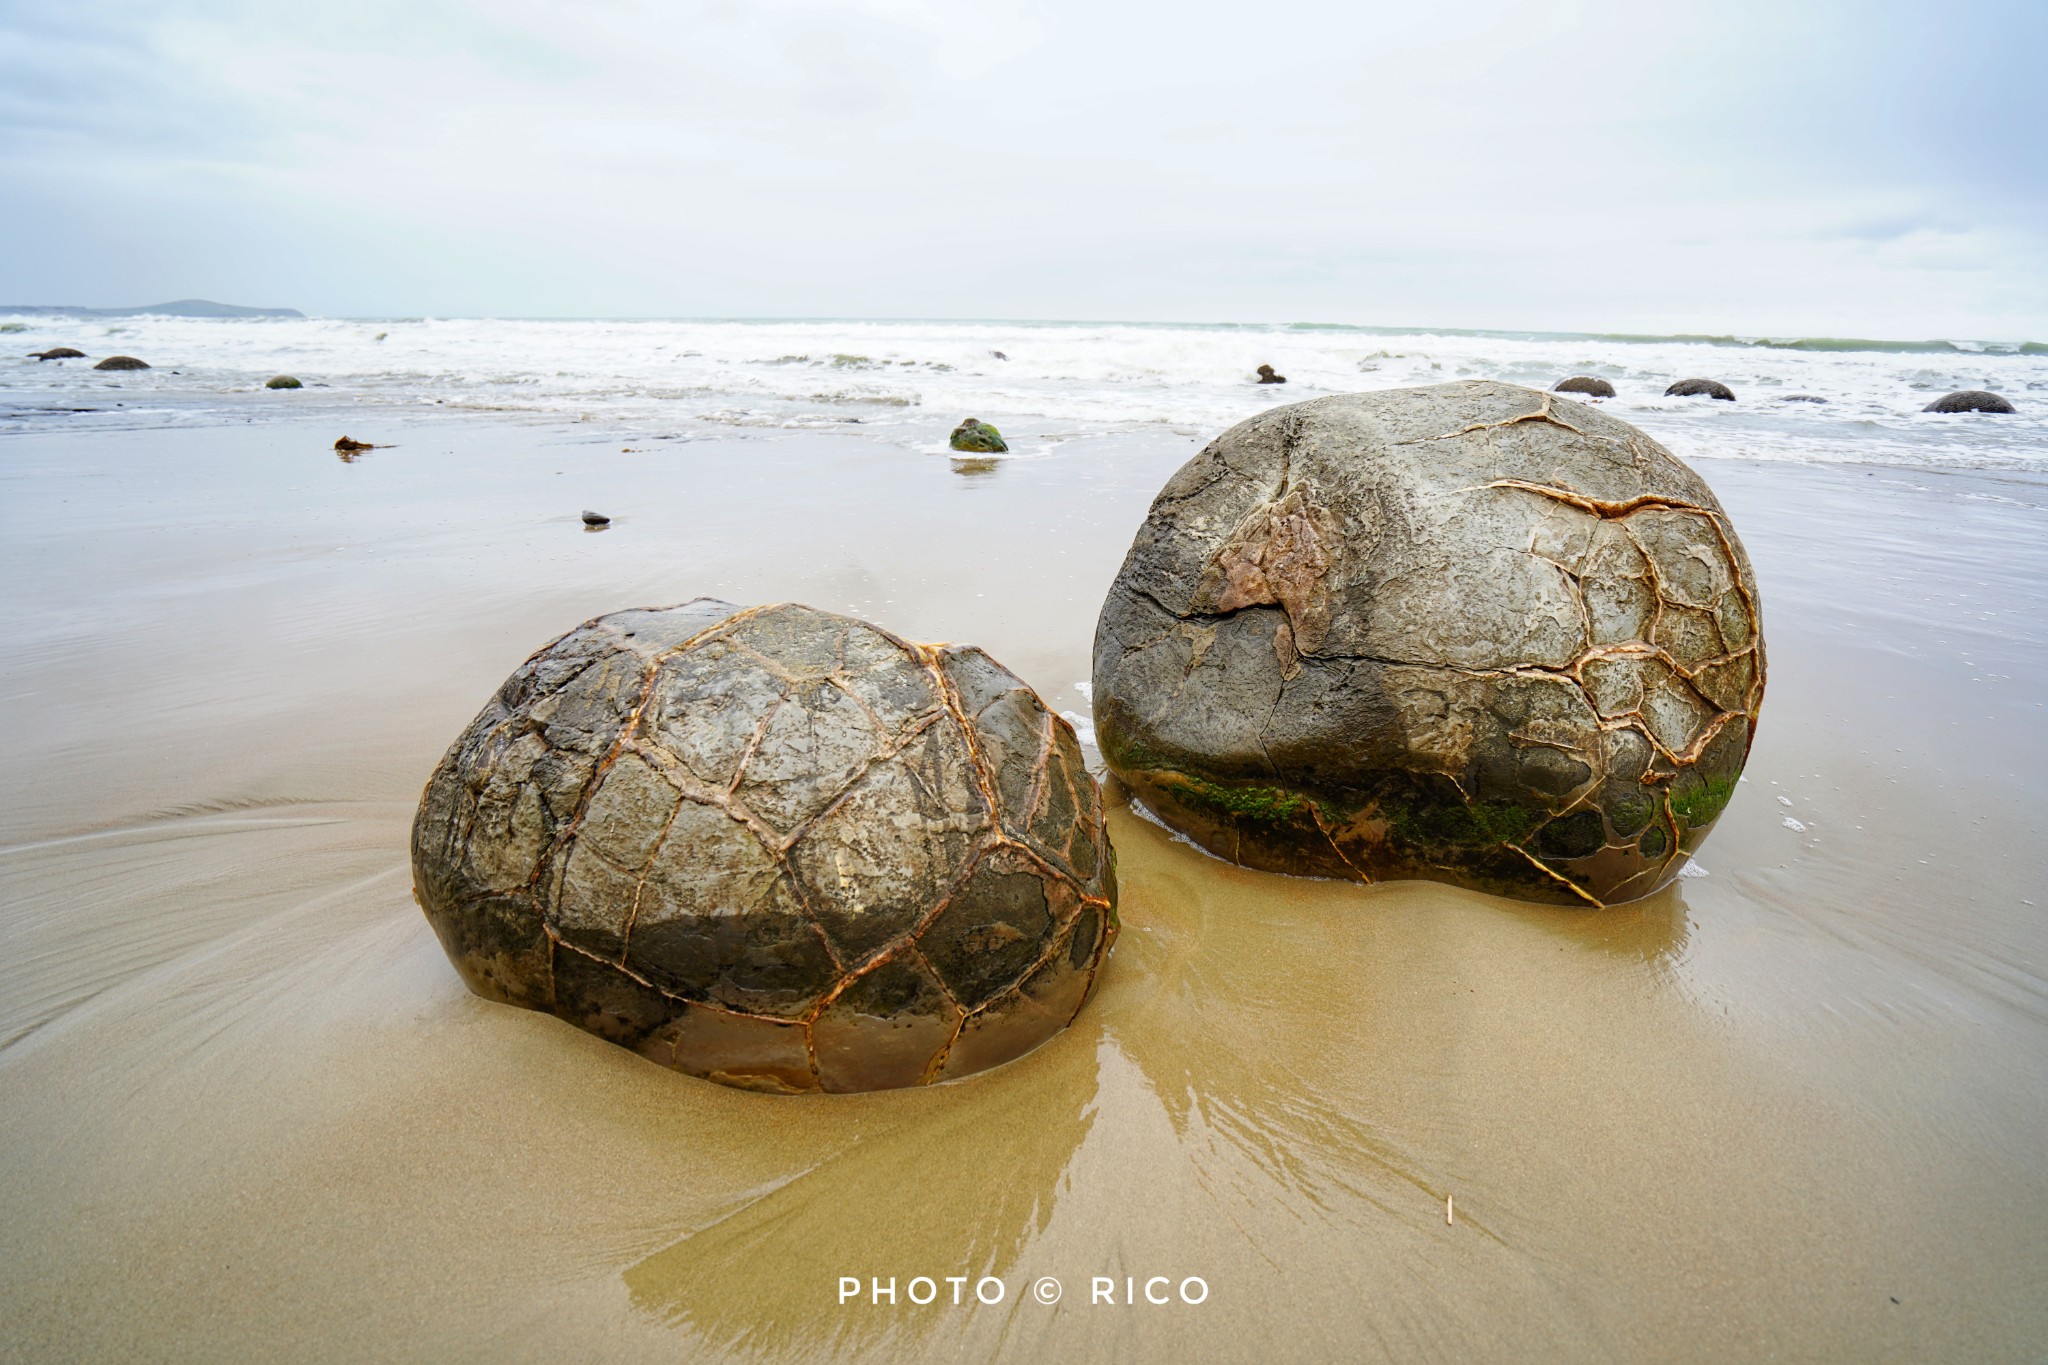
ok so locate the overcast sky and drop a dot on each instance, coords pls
(1790, 167)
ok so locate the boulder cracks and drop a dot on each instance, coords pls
(775, 847)
(1452, 633)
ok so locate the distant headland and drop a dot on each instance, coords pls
(181, 308)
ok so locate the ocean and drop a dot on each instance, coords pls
(1044, 383)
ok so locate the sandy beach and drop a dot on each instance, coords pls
(1789, 1108)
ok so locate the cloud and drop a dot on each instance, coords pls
(1587, 164)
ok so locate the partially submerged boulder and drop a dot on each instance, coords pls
(1970, 400)
(121, 362)
(775, 847)
(978, 436)
(282, 381)
(1466, 633)
(1696, 388)
(1591, 385)
(59, 353)
(1267, 376)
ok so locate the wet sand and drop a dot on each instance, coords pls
(1792, 1108)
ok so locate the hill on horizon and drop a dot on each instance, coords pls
(179, 308)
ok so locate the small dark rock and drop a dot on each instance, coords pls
(999, 355)
(978, 437)
(596, 519)
(282, 381)
(1586, 384)
(1694, 388)
(1266, 376)
(1970, 400)
(121, 362)
(351, 443)
(58, 353)
(1801, 398)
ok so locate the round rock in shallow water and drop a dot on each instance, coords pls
(122, 362)
(974, 435)
(282, 381)
(1468, 633)
(1586, 384)
(774, 847)
(1970, 400)
(1695, 388)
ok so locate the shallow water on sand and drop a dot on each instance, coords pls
(1791, 1107)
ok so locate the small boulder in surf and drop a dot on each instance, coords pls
(1970, 400)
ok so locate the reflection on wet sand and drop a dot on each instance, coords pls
(1233, 1092)
(957, 1187)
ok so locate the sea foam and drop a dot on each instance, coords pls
(649, 376)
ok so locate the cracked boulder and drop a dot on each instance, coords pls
(774, 847)
(1470, 633)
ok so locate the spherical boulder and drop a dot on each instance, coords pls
(1970, 400)
(1696, 388)
(775, 847)
(978, 437)
(1586, 384)
(122, 362)
(282, 381)
(1467, 633)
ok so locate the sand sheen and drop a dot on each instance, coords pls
(252, 1114)
(775, 847)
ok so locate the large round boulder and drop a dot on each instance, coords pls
(1591, 385)
(122, 362)
(1700, 388)
(774, 847)
(1470, 633)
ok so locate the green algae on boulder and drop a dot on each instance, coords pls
(976, 436)
(774, 847)
(1465, 633)
(282, 381)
